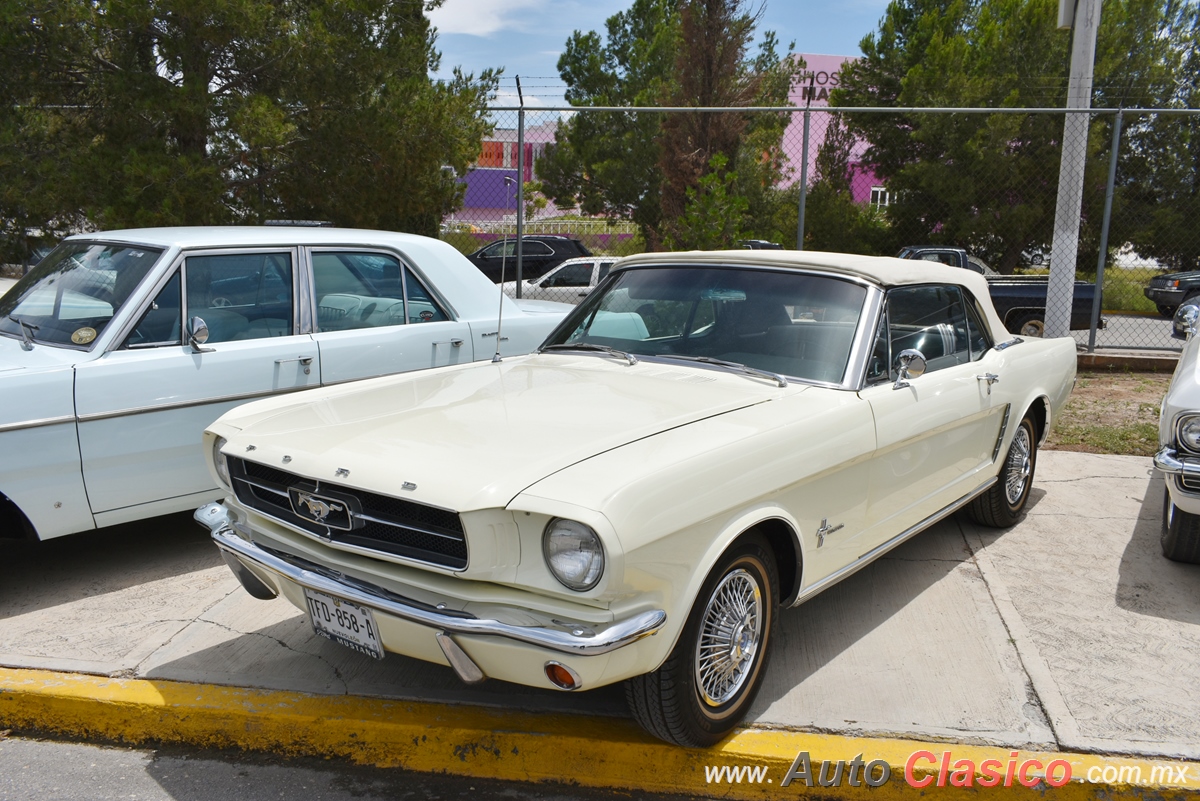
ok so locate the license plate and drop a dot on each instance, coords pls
(349, 624)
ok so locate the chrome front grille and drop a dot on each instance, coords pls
(377, 522)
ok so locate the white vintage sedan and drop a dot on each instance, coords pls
(120, 347)
(708, 439)
(1178, 456)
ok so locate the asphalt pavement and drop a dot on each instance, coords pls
(1067, 631)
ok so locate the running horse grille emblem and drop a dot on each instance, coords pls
(320, 509)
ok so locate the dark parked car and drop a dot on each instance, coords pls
(539, 253)
(1169, 292)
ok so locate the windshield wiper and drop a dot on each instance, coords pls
(588, 346)
(741, 368)
(26, 336)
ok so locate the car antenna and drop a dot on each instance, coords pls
(508, 181)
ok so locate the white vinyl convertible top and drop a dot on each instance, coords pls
(884, 271)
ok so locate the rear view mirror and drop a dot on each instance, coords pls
(198, 335)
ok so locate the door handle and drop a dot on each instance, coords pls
(306, 361)
(990, 378)
(455, 342)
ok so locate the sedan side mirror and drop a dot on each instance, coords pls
(912, 365)
(1186, 322)
(198, 335)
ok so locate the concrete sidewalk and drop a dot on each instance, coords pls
(1068, 632)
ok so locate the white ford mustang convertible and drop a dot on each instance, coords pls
(708, 439)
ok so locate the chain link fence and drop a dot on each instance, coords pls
(977, 188)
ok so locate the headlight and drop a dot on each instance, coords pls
(220, 462)
(1189, 434)
(573, 553)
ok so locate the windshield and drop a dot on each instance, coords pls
(71, 295)
(795, 324)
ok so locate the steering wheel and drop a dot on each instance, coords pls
(219, 302)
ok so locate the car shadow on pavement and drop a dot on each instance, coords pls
(1149, 583)
(230, 646)
(41, 575)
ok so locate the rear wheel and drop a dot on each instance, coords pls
(1004, 504)
(710, 679)
(1028, 325)
(1180, 537)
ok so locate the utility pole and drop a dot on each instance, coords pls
(1083, 16)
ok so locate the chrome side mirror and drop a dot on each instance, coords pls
(912, 365)
(198, 335)
(1186, 322)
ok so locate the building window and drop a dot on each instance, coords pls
(879, 196)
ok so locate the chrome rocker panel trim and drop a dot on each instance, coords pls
(587, 643)
(880, 550)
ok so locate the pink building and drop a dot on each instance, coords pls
(822, 74)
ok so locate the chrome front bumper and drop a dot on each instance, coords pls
(240, 554)
(1167, 460)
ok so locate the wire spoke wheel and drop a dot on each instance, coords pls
(730, 636)
(1020, 467)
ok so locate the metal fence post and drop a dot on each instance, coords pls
(520, 181)
(803, 183)
(1103, 257)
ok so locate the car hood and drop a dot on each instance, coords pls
(43, 357)
(474, 437)
(1175, 276)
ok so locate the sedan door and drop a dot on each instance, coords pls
(936, 434)
(143, 406)
(375, 316)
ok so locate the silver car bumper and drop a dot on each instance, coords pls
(1167, 460)
(240, 555)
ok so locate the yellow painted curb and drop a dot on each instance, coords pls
(510, 745)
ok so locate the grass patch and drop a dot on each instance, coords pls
(1111, 413)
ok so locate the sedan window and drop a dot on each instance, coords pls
(357, 290)
(241, 296)
(161, 323)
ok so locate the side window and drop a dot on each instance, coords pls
(357, 290)
(931, 319)
(605, 266)
(571, 275)
(533, 248)
(161, 324)
(877, 367)
(422, 308)
(241, 296)
(505, 247)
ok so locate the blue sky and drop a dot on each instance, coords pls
(526, 37)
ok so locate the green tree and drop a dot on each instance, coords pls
(833, 220)
(640, 166)
(713, 212)
(987, 182)
(205, 111)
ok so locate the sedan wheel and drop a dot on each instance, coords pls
(1004, 503)
(711, 677)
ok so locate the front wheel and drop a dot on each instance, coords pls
(711, 677)
(1166, 311)
(1004, 504)
(1180, 538)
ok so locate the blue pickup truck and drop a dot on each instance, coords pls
(1020, 300)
